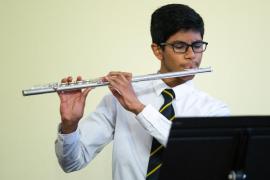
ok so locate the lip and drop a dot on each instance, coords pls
(191, 66)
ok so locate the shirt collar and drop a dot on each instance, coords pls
(180, 90)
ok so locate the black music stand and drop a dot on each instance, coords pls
(218, 148)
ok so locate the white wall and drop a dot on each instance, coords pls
(43, 41)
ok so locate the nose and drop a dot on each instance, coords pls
(190, 53)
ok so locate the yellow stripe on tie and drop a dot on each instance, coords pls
(154, 170)
(167, 92)
(156, 150)
(172, 118)
(165, 107)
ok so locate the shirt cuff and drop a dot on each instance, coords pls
(155, 123)
(68, 138)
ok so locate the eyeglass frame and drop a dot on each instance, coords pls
(186, 44)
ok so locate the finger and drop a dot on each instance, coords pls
(122, 75)
(104, 79)
(79, 78)
(113, 73)
(128, 76)
(113, 81)
(109, 78)
(125, 76)
(64, 80)
(85, 92)
(60, 95)
(121, 79)
(120, 72)
(117, 74)
(113, 76)
(115, 92)
(69, 79)
(118, 83)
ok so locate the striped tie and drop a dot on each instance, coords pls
(155, 160)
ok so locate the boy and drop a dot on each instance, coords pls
(137, 117)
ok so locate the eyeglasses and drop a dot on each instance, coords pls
(182, 47)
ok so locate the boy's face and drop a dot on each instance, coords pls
(172, 61)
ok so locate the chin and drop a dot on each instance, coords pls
(187, 78)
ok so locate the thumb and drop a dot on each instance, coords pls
(86, 92)
(60, 95)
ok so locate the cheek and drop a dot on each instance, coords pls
(179, 60)
(175, 58)
(198, 59)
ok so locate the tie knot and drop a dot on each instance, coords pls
(168, 94)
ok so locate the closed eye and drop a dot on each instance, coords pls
(197, 45)
(180, 45)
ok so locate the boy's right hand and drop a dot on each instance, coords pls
(72, 105)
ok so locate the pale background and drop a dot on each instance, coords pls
(43, 41)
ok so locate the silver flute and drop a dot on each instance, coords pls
(56, 87)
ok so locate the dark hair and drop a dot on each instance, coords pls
(169, 19)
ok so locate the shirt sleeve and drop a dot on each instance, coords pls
(155, 124)
(75, 150)
(219, 108)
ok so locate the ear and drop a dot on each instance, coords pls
(158, 52)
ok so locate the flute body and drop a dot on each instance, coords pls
(55, 87)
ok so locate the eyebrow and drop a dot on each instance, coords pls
(176, 42)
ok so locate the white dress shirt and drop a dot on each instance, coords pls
(131, 134)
